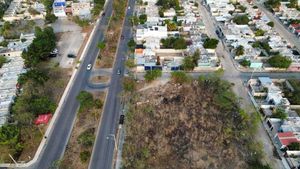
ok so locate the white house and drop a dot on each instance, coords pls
(59, 8)
(159, 32)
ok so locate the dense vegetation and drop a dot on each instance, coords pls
(98, 7)
(3, 6)
(262, 45)
(239, 50)
(241, 19)
(245, 62)
(174, 43)
(210, 43)
(167, 4)
(42, 45)
(279, 61)
(293, 96)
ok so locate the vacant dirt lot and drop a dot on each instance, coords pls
(193, 126)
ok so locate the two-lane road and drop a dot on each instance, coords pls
(103, 151)
(58, 138)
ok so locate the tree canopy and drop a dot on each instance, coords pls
(174, 43)
(241, 19)
(279, 61)
(167, 4)
(152, 75)
(239, 50)
(41, 47)
(210, 43)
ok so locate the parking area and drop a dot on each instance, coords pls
(70, 38)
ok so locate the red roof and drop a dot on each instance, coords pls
(298, 30)
(295, 25)
(43, 119)
(285, 134)
(287, 138)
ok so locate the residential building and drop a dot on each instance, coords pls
(59, 8)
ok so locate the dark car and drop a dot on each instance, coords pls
(122, 37)
(121, 120)
(71, 56)
(103, 14)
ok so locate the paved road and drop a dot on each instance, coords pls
(59, 137)
(279, 27)
(103, 151)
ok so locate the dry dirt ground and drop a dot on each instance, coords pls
(85, 120)
(180, 126)
(100, 79)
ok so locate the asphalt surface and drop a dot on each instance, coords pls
(60, 134)
(103, 151)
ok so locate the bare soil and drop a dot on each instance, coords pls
(179, 126)
(100, 79)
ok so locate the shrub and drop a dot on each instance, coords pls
(143, 18)
(259, 32)
(84, 156)
(180, 77)
(279, 61)
(271, 24)
(188, 63)
(129, 84)
(174, 43)
(2, 60)
(152, 75)
(245, 63)
(87, 137)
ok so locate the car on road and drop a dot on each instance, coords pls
(89, 67)
(122, 37)
(103, 14)
(118, 72)
(121, 120)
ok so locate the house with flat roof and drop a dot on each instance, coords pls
(59, 8)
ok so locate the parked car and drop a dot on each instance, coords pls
(71, 56)
(89, 67)
(121, 120)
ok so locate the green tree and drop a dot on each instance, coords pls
(279, 61)
(143, 18)
(2, 60)
(259, 32)
(134, 20)
(188, 64)
(196, 56)
(41, 105)
(4, 43)
(174, 43)
(180, 43)
(293, 4)
(33, 74)
(131, 44)
(279, 113)
(50, 18)
(210, 43)
(167, 4)
(40, 48)
(152, 75)
(273, 3)
(245, 63)
(180, 77)
(271, 24)
(85, 99)
(239, 50)
(101, 45)
(98, 7)
(172, 26)
(9, 134)
(241, 19)
(294, 146)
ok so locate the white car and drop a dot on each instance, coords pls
(89, 67)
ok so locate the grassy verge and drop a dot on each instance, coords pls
(106, 55)
(80, 145)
